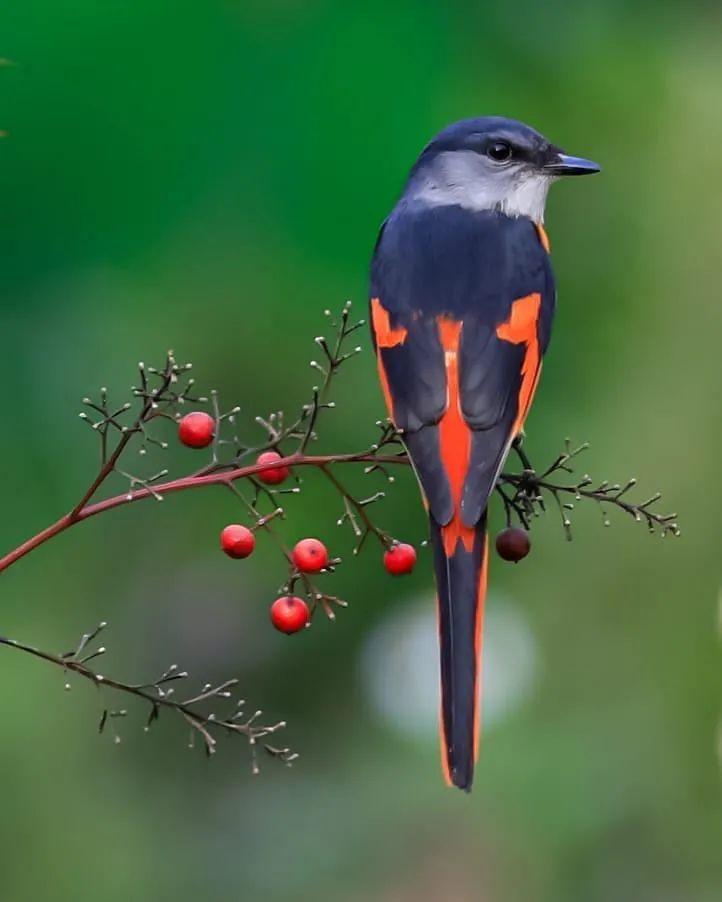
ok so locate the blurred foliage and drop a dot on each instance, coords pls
(209, 177)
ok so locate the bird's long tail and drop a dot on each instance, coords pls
(461, 568)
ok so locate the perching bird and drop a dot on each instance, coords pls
(462, 302)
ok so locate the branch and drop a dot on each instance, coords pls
(527, 500)
(159, 491)
(159, 694)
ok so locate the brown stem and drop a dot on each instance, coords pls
(78, 514)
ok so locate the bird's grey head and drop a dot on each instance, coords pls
(491, 163)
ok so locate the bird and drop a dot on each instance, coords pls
(462, 298)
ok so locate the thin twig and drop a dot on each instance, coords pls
(153, 694)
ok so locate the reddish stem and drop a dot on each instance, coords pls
(83, 512)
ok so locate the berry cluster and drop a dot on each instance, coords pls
(289, 613)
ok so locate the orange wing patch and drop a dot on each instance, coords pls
(454, 438)
(386, 336)
(384, 380)
(521, 328)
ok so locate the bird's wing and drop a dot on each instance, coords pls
(461, 308)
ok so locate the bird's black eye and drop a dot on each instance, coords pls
(499, 151)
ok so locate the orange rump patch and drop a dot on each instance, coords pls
(521, 328)
(454, 438)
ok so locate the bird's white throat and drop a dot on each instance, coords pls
(461, 178)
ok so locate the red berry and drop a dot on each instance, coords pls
(196, 429)
(513, 544)
(237, 541)
(289, 614)
(400, 559)
(310, 556)
(271, 476)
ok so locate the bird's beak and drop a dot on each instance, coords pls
(563, 164)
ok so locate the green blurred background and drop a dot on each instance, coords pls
(210, 176)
